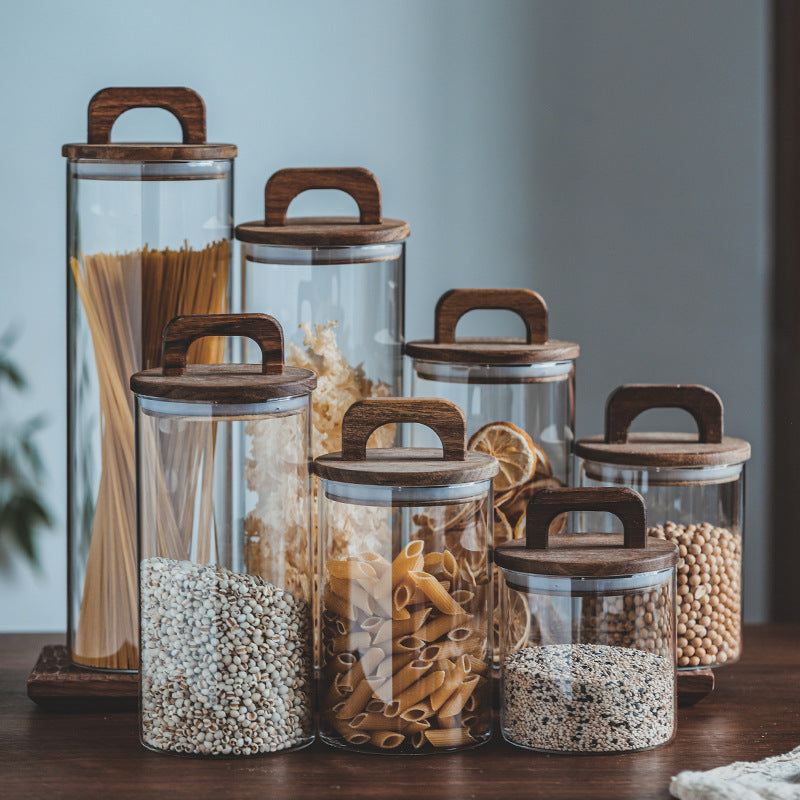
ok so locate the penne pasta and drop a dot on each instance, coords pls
(406, 644)
(386, 740)
(371, 625)
(355, 703)
(432, 562)
(436, 593)
(459, 634)
(463, 596)
(366, 666)
(448, 737)
(351, 592)
(449, 722)
(393, 663)
(375, 706)
(401, 596)
(391, 629)
(339, 606)
(418, 691)
(351, 570)
(449, 566)
(454, 677)
(341, 662)
(438, 627)
(477, 664)
(471, 703)
(379, 722)
(349, 734)
(448, 649)
(409, 674)
(350, 641)
(418, 712)
(455, 703)
(410, 559)
(418, 740)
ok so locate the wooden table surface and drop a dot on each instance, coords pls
(753, 713)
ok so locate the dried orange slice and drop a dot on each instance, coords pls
(544, 469)
(513, 449)
(503, 532)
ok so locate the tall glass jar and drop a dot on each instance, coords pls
(405, 585)
(149, 230)
(338, 286)
(225, 570)
(595, 673)
(694, 488)
(518, 395)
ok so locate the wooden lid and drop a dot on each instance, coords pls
(529, 305)
(223, 383)
(108, 104)
(624, 404)
(587, 555)
(399, 466)
(286, 184)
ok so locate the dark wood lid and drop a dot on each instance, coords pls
(223, 383)
(709, 448)
(587, 555)
(108, 104)
(529, 305)
(286, 184)
(399, 466)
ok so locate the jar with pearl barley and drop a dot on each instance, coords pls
(225, 572)
(694, 489)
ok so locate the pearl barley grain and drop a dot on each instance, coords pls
(205, 632)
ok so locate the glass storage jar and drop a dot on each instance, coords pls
(694, 489)
(337, 284)
(149, 230)
(518, 395)
(405, 585)
(225, 571)
(593, 670)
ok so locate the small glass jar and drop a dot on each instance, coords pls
(338, 286)
(593, 670)
(405, 606)
(518, 395)
(225, 570)
(694, 488)
(149, 229)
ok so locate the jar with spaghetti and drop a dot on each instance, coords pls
(574, 685)
(149, 230)
(518, 395)
(694, 488)
(405, 620)
(226, 629)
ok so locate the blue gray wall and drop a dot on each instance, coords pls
(611, 154)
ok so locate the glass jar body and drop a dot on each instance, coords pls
(225, 576)
(145, 242)
(700, 510)
(588, 664)
(405, 604)
(538, 398)
(342, 312)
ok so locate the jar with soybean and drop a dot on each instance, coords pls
(226, 621)
(405, 608)
(570, 683)
(694, 489)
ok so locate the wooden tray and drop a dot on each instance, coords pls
(56, 684)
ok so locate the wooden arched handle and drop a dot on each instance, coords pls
(625, 403)
(452, 305)
(108, 104)
(180, 332)
(286, 184)
(364, 417)
(626, 504)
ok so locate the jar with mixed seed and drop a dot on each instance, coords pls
(694, 488)
(405, 620)
(518, 396)
(571, 684)
(226, 621)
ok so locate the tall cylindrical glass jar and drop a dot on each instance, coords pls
(149, 230)
(694, 488)
(226, 619)
(518, 395)
(405, 606)
(595, 672)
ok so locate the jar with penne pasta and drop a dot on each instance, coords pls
(226, 629)
(149, 230)
(519, 398)
(574, 684)
(405, 624)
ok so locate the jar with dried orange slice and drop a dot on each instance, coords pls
(518, 396)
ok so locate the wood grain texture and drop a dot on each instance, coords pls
(785, 320)
(694, 686)
(626, 402)
(443, 417)
(56, 683)
(286, 184)
(751, 715)
(492, 351)
(528, 305)
(180, 332)
(109, 104)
